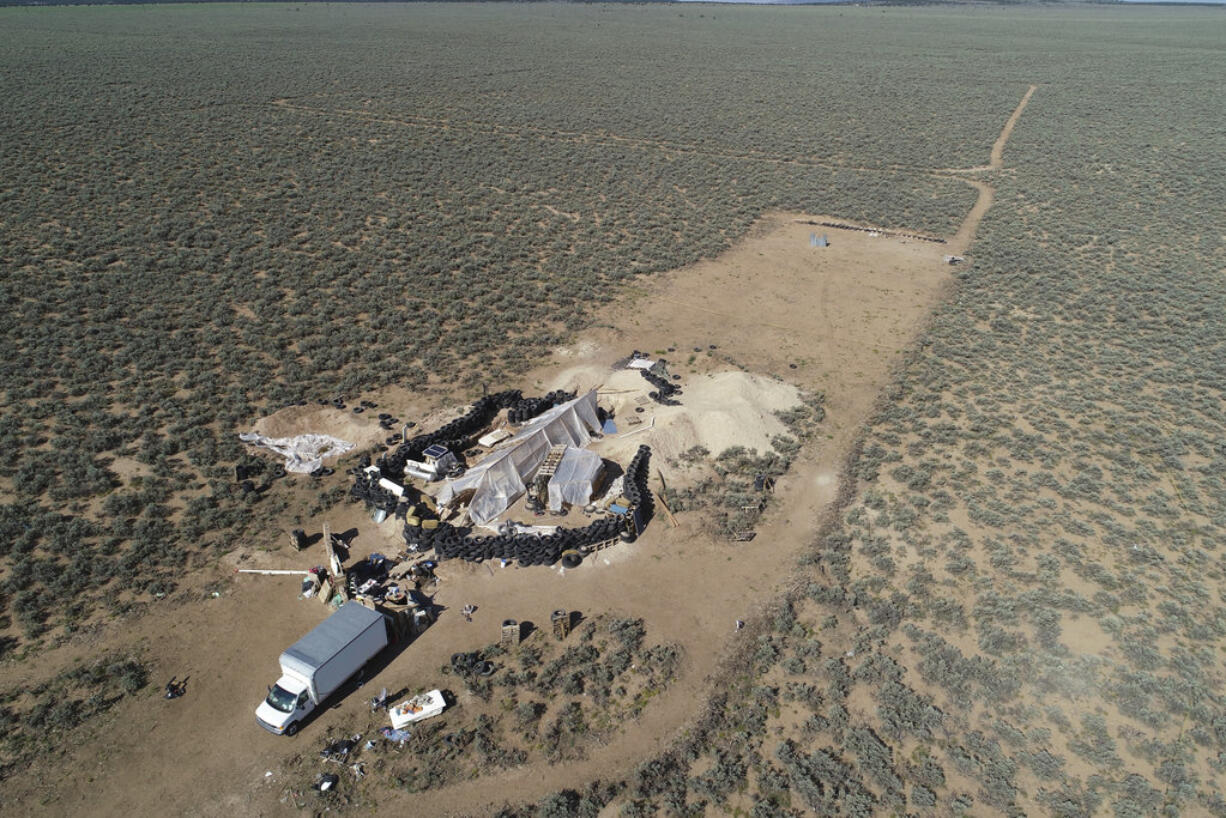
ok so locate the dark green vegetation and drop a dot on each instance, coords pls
(211, 211)
(36, 720)
(547, 701)
(736, 489)
(1022, 609)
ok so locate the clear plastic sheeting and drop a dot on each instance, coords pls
(573, 480)
(303, 453)
(501, 478)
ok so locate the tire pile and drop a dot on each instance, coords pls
(665, 389)
(566, 544)
(456, 434)
(528, 408)
(366, 487)
(471, 664)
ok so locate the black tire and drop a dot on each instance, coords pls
(291, 729)
(571, 559)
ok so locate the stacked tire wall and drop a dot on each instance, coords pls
(449, 542)
(635, 486)
(456, 434)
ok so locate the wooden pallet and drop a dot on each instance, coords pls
(592, 549)
(550, 466)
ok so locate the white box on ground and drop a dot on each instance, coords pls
(422, 706)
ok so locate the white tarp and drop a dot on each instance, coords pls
(499, 480)
(303, 453)
(572, 482)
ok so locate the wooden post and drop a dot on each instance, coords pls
(334, 564)
(560, 619)
(510, 634)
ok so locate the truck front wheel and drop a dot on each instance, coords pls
(291, 728)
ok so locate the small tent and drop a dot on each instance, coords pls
(574, 479)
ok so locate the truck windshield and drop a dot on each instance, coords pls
(281, 699)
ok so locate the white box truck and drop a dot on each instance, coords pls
(320, 662)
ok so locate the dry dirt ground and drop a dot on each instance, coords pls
(832, 319)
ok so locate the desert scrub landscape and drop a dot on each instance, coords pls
(1020, 611)
(279, 219)
(212, 212)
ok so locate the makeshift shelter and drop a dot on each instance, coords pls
(501, 478)
(575, 478)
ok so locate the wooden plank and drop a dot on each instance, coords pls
(667, 510)
(272, 572)
(334, 563)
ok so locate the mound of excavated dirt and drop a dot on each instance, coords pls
(361, 430)
(716, 411)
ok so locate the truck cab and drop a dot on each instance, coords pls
(288, 703)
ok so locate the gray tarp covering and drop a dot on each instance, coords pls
(572, 482)
(500, 479)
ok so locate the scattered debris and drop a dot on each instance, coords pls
(303, 454)
(393, 734)
(872, 231)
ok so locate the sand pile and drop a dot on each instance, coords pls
(729, 409)
(361, 430)
(716, 411)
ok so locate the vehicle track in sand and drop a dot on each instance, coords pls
(624, 750)
(961, 240)
(959, 243)
(825, 338)
(606, 138)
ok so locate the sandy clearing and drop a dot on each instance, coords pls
(362, 430)
(840, 315)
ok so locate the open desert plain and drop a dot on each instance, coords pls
(893, 340)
